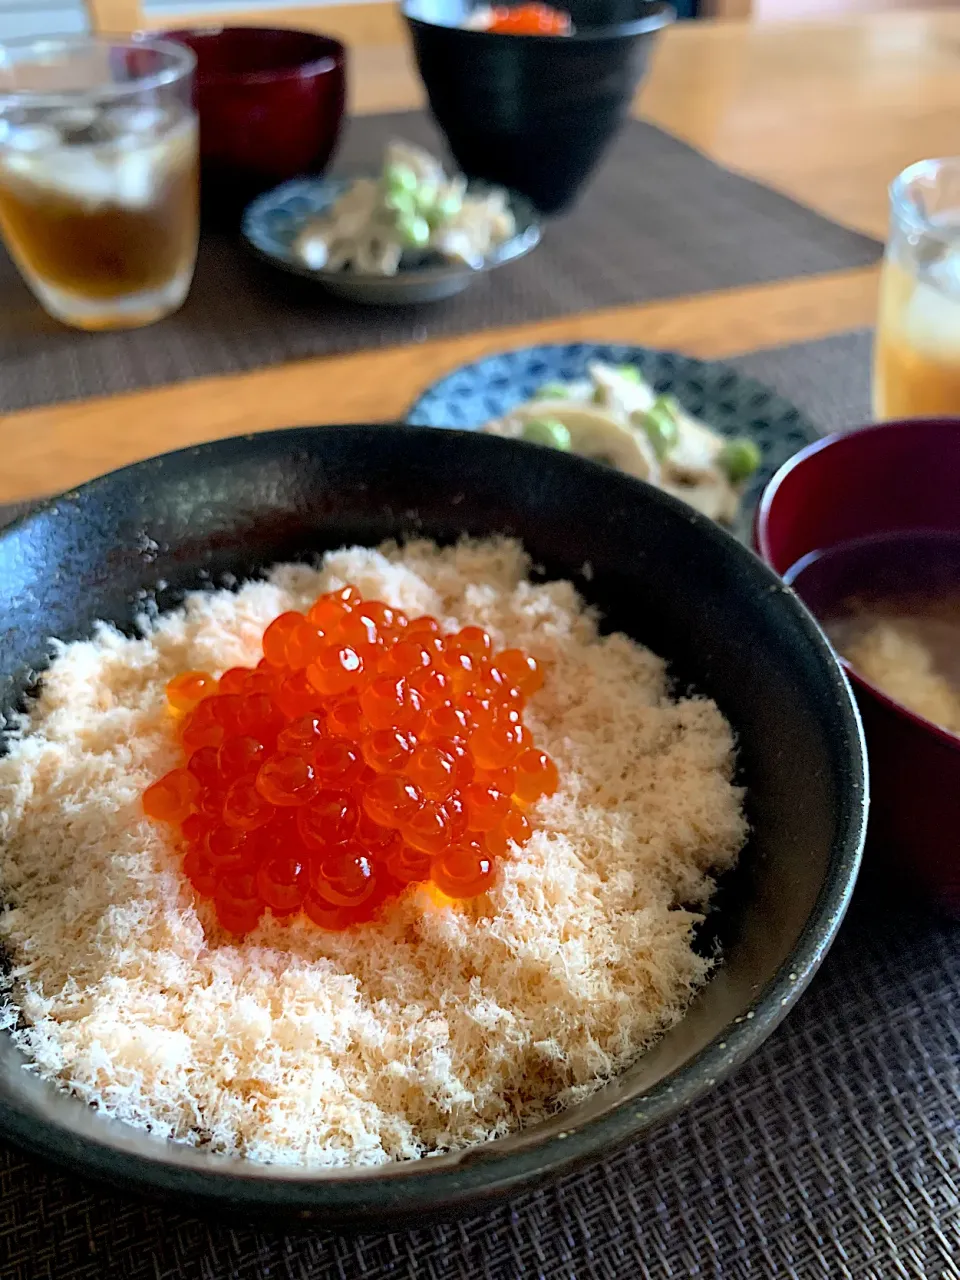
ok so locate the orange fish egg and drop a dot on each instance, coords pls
(520, 669)
(427, 830)
(407, 865)
(258, 716)
(515, 829)
(240, 757)
(388, 750)
(302, 735)
(447, 721)
(331, 609)
(536, 776)
(204, 765)
(228, 849)
(433, 770)
(238, 905)
(197, 869)
(389, 702)
(172, 798)
(422, 627)
(277, 635)
(297, 697)
(345, 717)
(330, 818)
(432, 686)
(200, 728)
(364, 753)
(233, 680)
(344, 876)
(281, 884)
(337, 762)
(486, 806)
(244, 807)
(497, 745)
(391, 800)
(456, 815)
(405, 658)
(372, 837)
(462, 872)
(189, 688)
(391, 623)
(359, 631)
(335, 669)
(225, 709)
(474, 641)
(287, 780)
(303, 645)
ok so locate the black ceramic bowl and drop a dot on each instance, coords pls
(658, 570)
(533, 113)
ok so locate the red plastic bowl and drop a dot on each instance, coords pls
(896, 476)
(271, 104)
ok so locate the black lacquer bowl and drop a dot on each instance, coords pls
(657, 570)
(534, 113)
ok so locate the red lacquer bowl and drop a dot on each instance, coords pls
(271, 104)
(897, 476)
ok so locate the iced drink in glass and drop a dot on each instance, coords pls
(99, 176)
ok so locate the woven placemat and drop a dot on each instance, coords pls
(828, 379)
(659, 220)
(834, 1154)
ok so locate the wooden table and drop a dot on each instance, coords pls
(827, 112)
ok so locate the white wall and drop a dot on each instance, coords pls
(41, 18)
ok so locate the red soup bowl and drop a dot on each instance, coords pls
(896, 477)
(271, 104)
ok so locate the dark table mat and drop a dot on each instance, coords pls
(833, 1154)
(659, 220)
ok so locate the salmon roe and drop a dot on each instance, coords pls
(528, 20)
(366, 752)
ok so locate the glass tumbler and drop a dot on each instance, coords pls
(99, 186)
(917, 350)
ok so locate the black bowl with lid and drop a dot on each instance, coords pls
(655, 568)
(534, 113)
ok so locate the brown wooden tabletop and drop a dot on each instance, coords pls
(827, 112)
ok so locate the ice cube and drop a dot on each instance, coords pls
(79, 126)
(30, 137)
(134, 180)
(931, 322)
(130, 124)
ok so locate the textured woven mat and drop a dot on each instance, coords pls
(833, 1154)
(659, 220)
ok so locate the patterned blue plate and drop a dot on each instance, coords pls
(272, 222)
(726, 400)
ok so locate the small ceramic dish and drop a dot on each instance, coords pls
(273, 221)
(721, 397)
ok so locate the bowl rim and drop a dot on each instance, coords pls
(661, 16)
(761, 541)
(446, 1184)
(333, 58)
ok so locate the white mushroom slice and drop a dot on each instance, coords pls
(696, 446)
(709, 492)
(617, 393)
(596, 434)
(690, 471)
